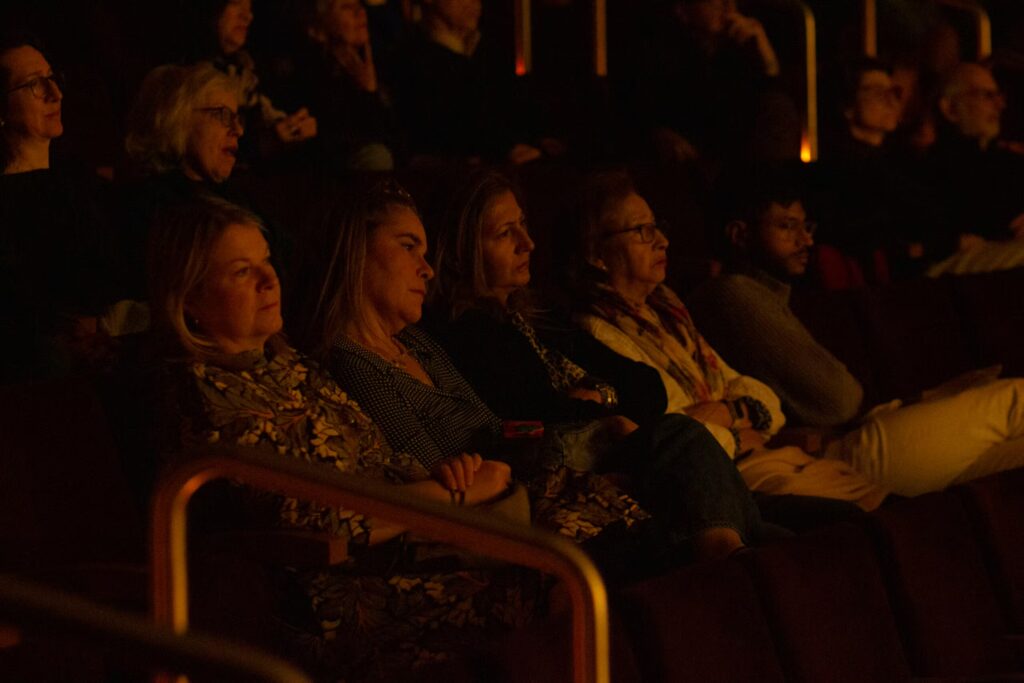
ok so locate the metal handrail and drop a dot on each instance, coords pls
(809, 145)
(33, 608)
(465, 528)
(523, 37)
(599, 23)
(869, 27)
(982, 24)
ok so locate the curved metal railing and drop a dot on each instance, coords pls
(464, 528)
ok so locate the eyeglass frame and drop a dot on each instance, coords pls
(790, 227)
(234, 117)
(34, 84)
(655, 227)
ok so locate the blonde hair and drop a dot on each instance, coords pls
(160, 120)
(178, 262)
(337, 301)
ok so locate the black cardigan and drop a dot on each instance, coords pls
(513, 381)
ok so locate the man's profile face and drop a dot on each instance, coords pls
(782, 239)
(977, 105)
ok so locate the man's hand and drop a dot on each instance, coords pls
(751, 440)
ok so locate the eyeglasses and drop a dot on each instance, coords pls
(648, 232)
(878, 92)
(40, 85)
(226, 116)
(792, 227)
(993, 95)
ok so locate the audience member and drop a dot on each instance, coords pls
(183, 136)
(218, 30)
(235, 381)
(451, 100)
(365, 326)
(978, 177)
(619, 270)
(611, 408)
(947, 437)
(54, 251)
(706, 86)
(338, 78)
(870, 203)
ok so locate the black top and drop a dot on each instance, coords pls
(450, 104)
(980, 189)
(55, 263)
(508, 374)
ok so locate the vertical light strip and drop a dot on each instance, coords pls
(600, 38)
(524, 37)
(809, 149)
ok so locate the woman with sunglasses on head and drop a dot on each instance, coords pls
(53, 257)
(618, 270)
(603, 412)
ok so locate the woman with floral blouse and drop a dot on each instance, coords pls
(381, 614)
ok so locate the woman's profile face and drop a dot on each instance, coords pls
(346, 23)
(233, 25)
(395, 273)
(238, 305)
(212, 144)
(623, 247)
(33, 99)
(506, 246)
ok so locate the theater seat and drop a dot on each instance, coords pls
(998, 506)
(826, 605)
(941, 589)
(700, 623)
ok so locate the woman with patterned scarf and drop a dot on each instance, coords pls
(604, 413)
(618, 270)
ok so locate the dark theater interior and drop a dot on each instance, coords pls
(512, 340)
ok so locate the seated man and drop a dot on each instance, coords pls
(926, 446)
(976, 174)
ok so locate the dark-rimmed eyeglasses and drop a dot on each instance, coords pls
(40, 85)
(648, 232)
(226, 116)
(792, 227)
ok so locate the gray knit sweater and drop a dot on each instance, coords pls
(746, 317)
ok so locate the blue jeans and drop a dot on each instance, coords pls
(683, 477)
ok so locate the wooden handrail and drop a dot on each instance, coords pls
(464, 528)
(33, 608)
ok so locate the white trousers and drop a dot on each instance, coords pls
(929, 445)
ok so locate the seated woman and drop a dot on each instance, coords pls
(218, 30)
(524, 372)
(620, 265)
(183, 136)
(54, 247)
(217, 302)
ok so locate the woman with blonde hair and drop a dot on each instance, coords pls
(233, 379)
